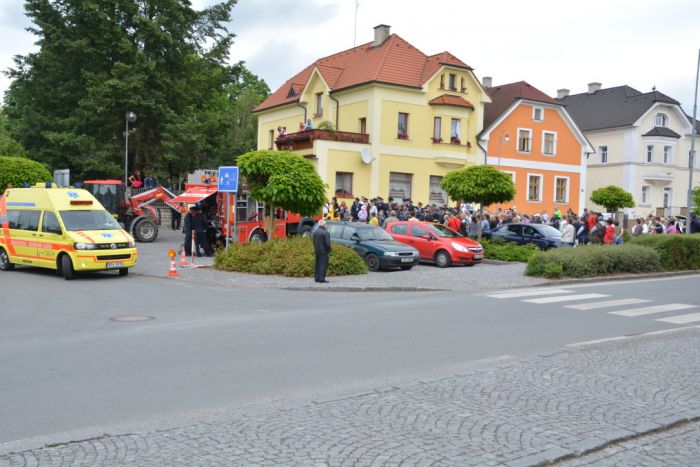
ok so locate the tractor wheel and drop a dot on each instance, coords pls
(145, 231)
(258, 237)
(5, 264)
(67, 268)
(305, 231)
(442, 259)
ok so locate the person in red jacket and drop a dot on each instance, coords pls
(609, 237)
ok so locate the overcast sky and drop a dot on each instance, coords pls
(551, 44)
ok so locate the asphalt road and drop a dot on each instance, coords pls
(68, 372)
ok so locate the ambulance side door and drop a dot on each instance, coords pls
(24, 227)
(51, 238)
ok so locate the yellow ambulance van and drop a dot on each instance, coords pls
(65, 229)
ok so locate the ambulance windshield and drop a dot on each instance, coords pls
(89, 220)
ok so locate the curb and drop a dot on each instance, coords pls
(623, 277)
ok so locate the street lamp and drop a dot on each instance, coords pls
(130, 118)
(691, 154)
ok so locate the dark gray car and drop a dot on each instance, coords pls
(543, 235)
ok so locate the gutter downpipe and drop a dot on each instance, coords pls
(299, 104)
(337, 110)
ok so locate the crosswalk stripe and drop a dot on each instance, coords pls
(565, 298)
(652, 309)
(528, 293)
(681, 319)
(606, 304)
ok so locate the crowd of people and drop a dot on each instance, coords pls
(587, 228)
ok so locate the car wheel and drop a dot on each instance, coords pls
(470, 265)
(406, 268)
(442, 259)
(258, 237)
(5, 264)
(67, 268)
(124, 271)
(146, 231)
(372, 262)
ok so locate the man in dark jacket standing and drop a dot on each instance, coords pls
(322, 248)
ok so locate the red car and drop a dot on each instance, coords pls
(437, 243)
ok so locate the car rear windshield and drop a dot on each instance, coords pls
(549, 231)
(373, 233)
(89, 220)
(442, 231)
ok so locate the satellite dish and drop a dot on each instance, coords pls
(366, 156)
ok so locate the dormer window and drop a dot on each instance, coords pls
(661, 120)
(319, 105)
(291, 93)
(463, 87)
(442, 81)
(453, 82)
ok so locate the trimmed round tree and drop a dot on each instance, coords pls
(613, 198)
(283, 179)
(481, 184)
(17, 171)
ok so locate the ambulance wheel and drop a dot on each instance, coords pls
(5, 264)
(67, 268)
(124, 271)
(145, 231)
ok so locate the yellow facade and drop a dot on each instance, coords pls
(416, 157)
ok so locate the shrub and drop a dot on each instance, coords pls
(497, 248)
(20, 170)
(291, 257)
(678, 252)
(594, 260)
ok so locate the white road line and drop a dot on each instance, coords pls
(619, 338)
(681, 319)
(606, 304)
(652, 309)
(565, 298)
(528, 293)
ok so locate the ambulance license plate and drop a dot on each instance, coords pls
(114, 265)
(406, 260)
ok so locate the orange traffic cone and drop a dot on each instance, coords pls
(183, 258)
(173, 271)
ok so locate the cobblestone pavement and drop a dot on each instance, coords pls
(622, 401)
(154, 261)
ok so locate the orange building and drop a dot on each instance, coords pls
(531, 136)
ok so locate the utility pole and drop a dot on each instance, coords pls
(691, 155)
(354, 39)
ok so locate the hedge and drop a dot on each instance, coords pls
(678, 252)
(20, 170)
(291, 257)
(594, 260)
(500, 249)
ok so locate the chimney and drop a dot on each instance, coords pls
(487, 81)
(381, 34)
(593, 87)
(562, 93)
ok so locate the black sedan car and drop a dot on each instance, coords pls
(542, 235)
(373, 244)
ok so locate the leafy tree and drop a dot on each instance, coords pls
(696, 197)
(8, 145)
(613, 198)
(99, 58)
(17, 171)
(283, 179)
(481, 184)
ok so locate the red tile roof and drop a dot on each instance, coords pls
(447, 99)
(394, 62)
(503, 96)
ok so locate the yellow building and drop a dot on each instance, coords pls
(396, 120)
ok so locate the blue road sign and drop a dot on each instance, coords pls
(228, 179)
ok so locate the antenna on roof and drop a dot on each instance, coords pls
(354, 39)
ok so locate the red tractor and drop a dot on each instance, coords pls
(135, 212)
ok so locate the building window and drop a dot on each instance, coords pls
(646, 194)
(400, 186)
(463, 85)
(271, 139)
(403, 126)
(549, 143)
(668, 154)
(538, 114)
(319, 105)
(343, 184)
(436, 195)
(650, 153)
(455, 131)
(453, 82)
(363, 125)
(660, 120)
(437, 130)
(668, 197)
(603, 151)
(524, 140)
(442, 81)
(561, 190)
(534, 187)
